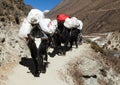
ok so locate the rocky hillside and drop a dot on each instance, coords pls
(12, 48)
(13, 11)
(97, 15)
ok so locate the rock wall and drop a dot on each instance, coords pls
(12, 48)
(13, 11)
(11, 15)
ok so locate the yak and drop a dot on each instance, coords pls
(38, 45)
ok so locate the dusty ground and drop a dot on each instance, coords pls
(21, 75)
(81, 66)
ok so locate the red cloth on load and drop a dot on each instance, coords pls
(62, 17)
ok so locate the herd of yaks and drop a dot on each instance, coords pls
(39, 40)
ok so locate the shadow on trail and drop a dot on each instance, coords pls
(28, 62)
(58, 51)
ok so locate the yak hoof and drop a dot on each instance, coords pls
(37, 74)
(64, 53)
(43, 70)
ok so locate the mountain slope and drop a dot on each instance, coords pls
(13, 10)
(97, 15)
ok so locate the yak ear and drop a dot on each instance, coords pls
(30, 36)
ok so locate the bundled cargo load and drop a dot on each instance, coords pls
(73, 23)
(68, 23)
(54, 23)
(34, 16)
(80, 25)
(47, 25)
(24, 29)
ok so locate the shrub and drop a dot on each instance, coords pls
(97, 48)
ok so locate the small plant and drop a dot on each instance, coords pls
(109, 42)
(97, 48)
(87, 40)
(75, 73)
(115, 49)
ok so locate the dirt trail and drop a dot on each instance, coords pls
(21, 75)
(89, 65)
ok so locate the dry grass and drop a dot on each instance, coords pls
(102, 82)
(110, 62)
(72, 73)
(97, 48)
(111, 59)
(114, 62)
(75, 72)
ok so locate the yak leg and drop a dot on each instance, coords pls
(46, 57)
(76, 43)
(65, 48)
(42, 64)
(36, 67)
(71, 43)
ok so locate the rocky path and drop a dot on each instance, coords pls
(88, 65)
(21, 75)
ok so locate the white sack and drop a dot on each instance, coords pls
(80, 25)
(55, 23)
(34, 16)
(68, 23)
(47, 25)
(75, 23)
(24, 29)
(71, 23)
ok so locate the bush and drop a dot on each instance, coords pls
(97, 48)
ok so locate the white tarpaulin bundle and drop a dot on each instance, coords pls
(55, 24)
(68, 23)
(34, 16)
(47, 25)
(24, 29)
(73, 23)
(80, 25)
